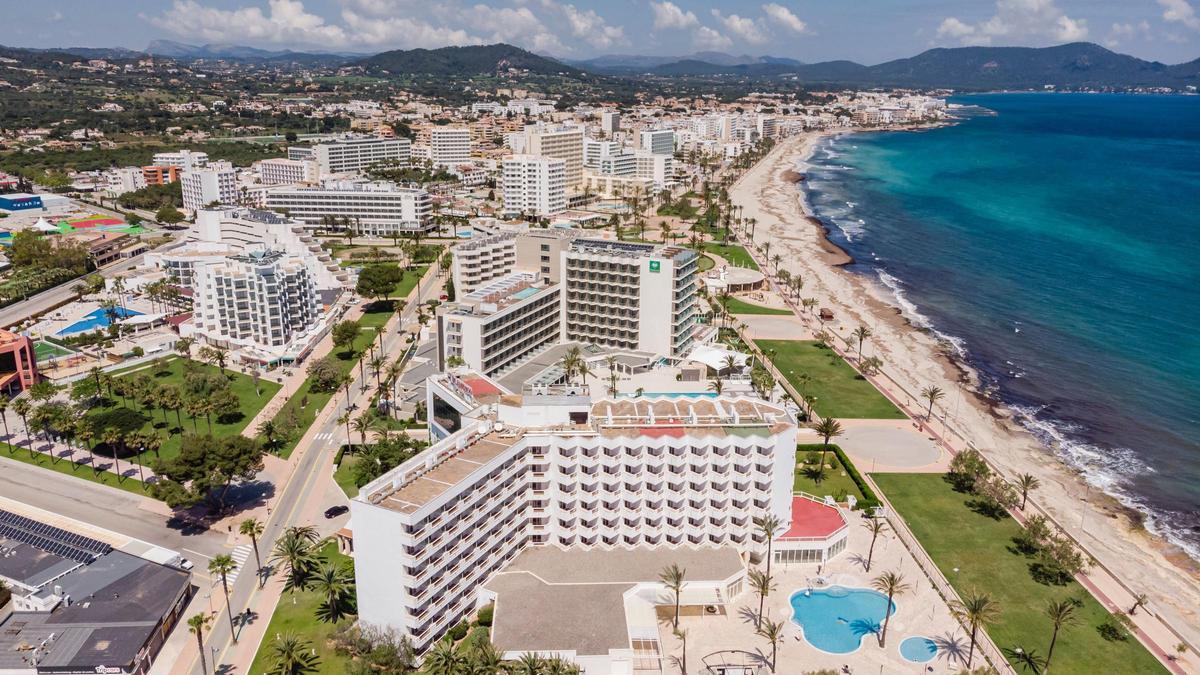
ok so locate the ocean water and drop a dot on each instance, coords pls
(1055, 240)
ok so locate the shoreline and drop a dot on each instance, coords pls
(916, 357)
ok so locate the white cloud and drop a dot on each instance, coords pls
(287, 22)
(784, 17)
(588, 26)
(56, 15)
(1180, 11)
(393, 24)
(750, 30)
(1036, 20)
(708, 38)
(669, 15)
(1125, 31)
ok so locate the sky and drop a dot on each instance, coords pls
(867, 31)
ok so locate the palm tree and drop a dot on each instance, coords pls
(861, 334)
(716, 386)
(768, 525)
(672, 577)
(933, 394)
(1140, 600)
(892, 585)
(86, 437)
(22, 407)
(221, 566)
(1027, 483)
(294, 551)
(486, 659)
(876, 526)
(292, 655)
(196, 625)
(1027, 660)
(252, 528)
(270, 431)
(976, 610)
(1061, 614)
(763, 584)
(335, 586)
(4, 401)
(376, 366)
(113, 438)
(772, 631)
(444, 659)
(362, 424)
(681, 635)
(828, 428)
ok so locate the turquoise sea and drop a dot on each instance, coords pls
(1055, 240)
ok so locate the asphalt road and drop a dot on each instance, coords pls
(105, 507)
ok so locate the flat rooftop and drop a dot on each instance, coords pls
(550, 599)
(432, 484)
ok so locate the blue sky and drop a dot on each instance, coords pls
(868, 31)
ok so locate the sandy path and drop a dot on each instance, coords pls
(914, 359)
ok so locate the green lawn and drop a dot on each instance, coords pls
(834, 482)
(705, 263)
(300, 619)
(81, 471)
(412, 275)
(841, 392)
(982, 551)
(344, 476)
(129, 415)
(46, 350)
(737, 306)
(733, 254)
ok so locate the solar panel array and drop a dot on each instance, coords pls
(51, 539)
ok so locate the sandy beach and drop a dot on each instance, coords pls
(915, 359)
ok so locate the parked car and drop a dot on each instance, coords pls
(335, 511)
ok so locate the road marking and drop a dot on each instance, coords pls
(240, 555)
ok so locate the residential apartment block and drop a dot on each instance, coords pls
(450, 146)
(560, 471)
(281, 171)
(213, 185)
(498, 325)
(558, 142)
(353, 154)
(659, 141)
(534, 185)
(184, 160)
(377, 209)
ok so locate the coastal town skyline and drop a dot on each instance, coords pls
(871, 32)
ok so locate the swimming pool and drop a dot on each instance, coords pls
(97, 318)
(918, 649)
(835, 619)
(526, 292)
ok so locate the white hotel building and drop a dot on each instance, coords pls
(216, 184)
(567, 472)
(282, 171)
(353, 154)
(261, 300)
(378, 209)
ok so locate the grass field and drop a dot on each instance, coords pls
(411, 276)
(129, 415)
(300, 619)
(733, 254)
(736, 306)
(977, 552)
(835, 480)
(840, 391)
(81, 471)
(344, 476)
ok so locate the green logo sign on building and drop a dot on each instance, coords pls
(655, 266)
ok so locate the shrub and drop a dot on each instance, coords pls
(812, 457)
(459, 631)
(869, 500)
(485, 614)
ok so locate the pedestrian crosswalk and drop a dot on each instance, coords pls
(240, 555)
(324, 437)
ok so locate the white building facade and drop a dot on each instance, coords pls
(534, 185)
(352, 154)
(214, 184)
(450, 146)
(377, 209)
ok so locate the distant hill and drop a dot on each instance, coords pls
(184, 51)
(471, 60)
(630, 64)
(1074, 65)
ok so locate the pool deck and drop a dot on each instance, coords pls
(919, 612)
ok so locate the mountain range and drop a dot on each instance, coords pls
(1078, 65)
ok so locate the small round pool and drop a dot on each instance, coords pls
(835, 619)
(918, 649)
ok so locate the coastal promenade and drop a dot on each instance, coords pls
(1159, 632)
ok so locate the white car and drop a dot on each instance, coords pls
(185, 564)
